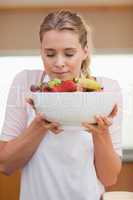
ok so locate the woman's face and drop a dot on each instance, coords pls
(62, 54)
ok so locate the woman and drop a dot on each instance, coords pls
(55, 164)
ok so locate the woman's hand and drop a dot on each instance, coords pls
(102, 123)
(41, 120)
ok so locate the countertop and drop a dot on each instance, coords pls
(127, 155)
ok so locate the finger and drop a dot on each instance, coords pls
(56, 131)
(47, 126)
(30, 101)
(89, 127)
(32, 104)
(41, 120)
(100, 121)
(55, 127)
(49, 121)
(43, 117)
(114, 111)
(107, 121)
(39, 117)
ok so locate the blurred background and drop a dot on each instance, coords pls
(112, 30)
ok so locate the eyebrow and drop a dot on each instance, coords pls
(50, 49)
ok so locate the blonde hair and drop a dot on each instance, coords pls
(67, 20)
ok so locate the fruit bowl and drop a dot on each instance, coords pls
(73, 108)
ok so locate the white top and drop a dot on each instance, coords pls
(62, 168)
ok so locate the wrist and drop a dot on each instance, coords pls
(37, 127)
(103, 144)
(103, 137)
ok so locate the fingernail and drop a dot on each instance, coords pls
(41, 114)
(55, 124)
(97, 116)
(84, 123)
(58, 131)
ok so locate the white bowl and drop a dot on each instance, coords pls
(73, 108)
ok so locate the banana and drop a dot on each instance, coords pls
(89, 84)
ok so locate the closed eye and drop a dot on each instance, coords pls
(69, 55)
(50, 55)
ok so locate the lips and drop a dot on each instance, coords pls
(60, 72)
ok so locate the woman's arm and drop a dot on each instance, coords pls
(107, 161)
(22, 141)
(17, 152)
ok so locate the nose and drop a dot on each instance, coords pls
(59, 61)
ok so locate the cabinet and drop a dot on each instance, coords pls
(10, 185)
(125, 179)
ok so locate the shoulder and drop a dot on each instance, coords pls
(28, 73)
(28, 76)
(108, 83)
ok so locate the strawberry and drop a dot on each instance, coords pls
(56, 88)
(45, 89)
(69, 86)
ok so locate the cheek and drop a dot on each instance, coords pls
(46, 60)
(75, 64)
(75, 69)
(47, 63)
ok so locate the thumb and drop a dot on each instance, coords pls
(113, 112)
(30, 101)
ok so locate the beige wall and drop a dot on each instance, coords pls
(111, 29)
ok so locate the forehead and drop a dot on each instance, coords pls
(60, 39)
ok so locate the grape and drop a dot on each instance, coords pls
(34, 88)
